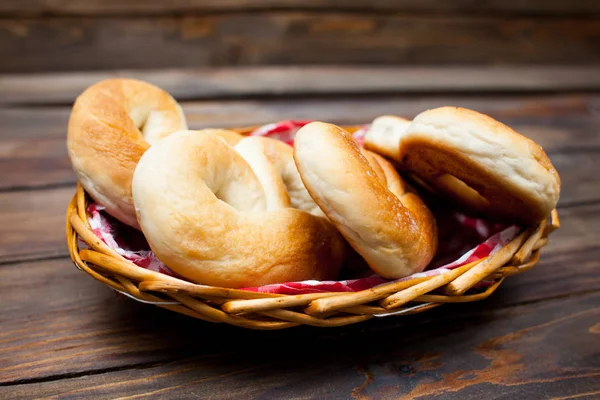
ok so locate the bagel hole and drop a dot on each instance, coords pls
(452, 184)
(238, 197)
(223, 196)
(149, 122)
(139, 115)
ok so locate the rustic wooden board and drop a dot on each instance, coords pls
(287, 38)
(186, 84)
(577, 231)
(35, 163)
(32, 223)
(111, 7)
(58, 321)
(510, 351)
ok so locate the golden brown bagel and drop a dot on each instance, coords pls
(390, 176)
(230, 137)
(394, 232)
(480, 163)
(384, 133)
(373, 159)
(111, 125)
(204, 213)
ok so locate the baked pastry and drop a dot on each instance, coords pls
(230, 137)
(208, 217)
(392, 229)
(113, 123)
(384, 134)
(482, 165)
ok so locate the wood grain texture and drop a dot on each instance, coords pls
(58, 321)
(33, 151)
(111, 7)
(226, 82)
(32, 223)
(287, 38)
(511, 352)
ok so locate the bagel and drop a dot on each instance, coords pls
(113, 123)
(394, 232)
(204, 213)
(383, 135)
(279, 156)
(230, 137)
(485, 167)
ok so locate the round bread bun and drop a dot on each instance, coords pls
(205, 214)
(481, 164)
(393, 231)
(112, 124)
(384, 133)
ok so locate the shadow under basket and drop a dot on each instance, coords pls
(258, 310)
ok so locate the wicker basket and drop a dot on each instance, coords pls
(277, 311)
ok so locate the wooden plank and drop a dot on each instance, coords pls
(32, 223)
(80, 325)
(554, 114)
(289, 38)
(33, 151)
(192, 84)
(549, 347)
(112, 7)
(34, 163)
(577, 232)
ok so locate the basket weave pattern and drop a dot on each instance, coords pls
(277, 311)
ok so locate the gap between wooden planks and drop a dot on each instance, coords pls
(207, 83)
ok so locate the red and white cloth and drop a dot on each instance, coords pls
(282, 130)
(462, 239)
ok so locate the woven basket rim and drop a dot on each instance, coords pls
(257, 310)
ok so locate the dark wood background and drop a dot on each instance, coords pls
(531, 64)
(61, 35)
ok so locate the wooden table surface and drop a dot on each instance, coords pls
(64, 335)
